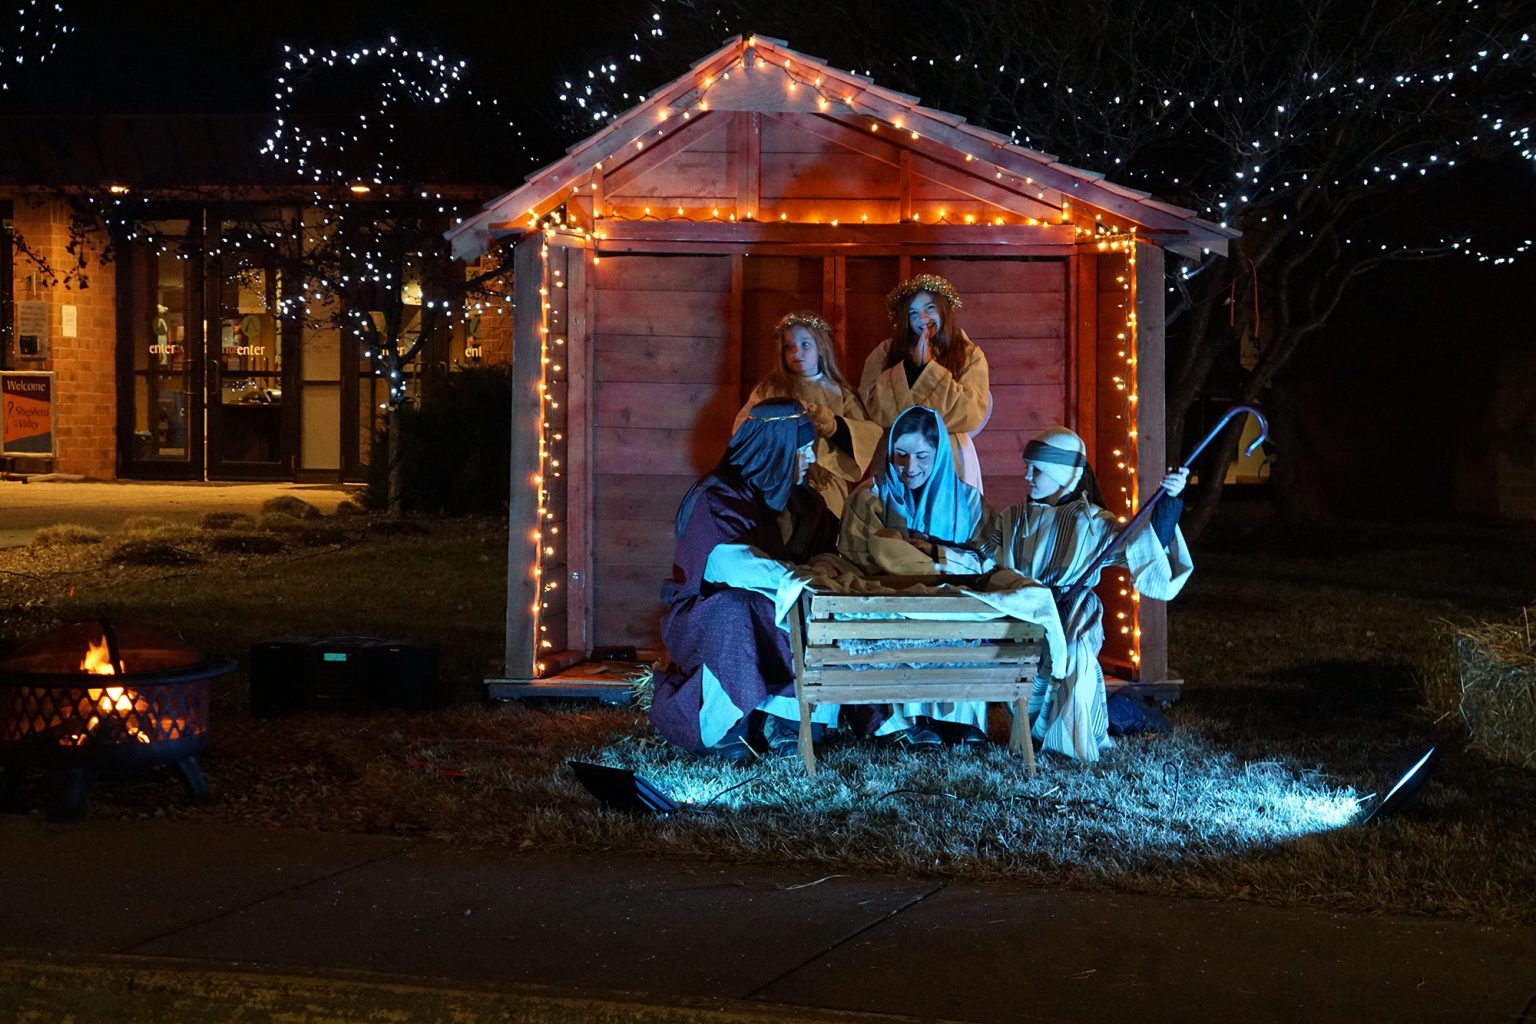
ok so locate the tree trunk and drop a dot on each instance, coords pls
(395, 503)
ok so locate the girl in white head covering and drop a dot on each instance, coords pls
(1054, 537)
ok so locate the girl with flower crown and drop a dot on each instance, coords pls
(930, 361)
(807, 370)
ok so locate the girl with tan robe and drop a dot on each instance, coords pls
(807, 370)
(929, 360)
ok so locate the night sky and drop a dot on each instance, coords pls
(1397, 379)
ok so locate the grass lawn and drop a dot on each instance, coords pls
(1299, 648)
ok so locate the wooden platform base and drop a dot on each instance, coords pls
(1165, 691)
(607, 681)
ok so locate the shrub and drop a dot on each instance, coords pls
(245, 542)
(143, 524)
(65, 535)
(288, 505)
(149, 551)
(455, 449)
(226, 521)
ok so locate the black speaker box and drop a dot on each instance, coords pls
(345, 673)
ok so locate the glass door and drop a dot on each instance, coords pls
(248, 429)
(161, 417)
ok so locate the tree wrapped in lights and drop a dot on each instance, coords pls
(1312, 130)
(370, 258)
(29, 38)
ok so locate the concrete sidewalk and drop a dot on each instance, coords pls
(25, 506)
(153, 920)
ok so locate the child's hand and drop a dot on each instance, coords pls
(1175, 481)
(822, 419)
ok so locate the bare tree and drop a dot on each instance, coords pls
(369, 129)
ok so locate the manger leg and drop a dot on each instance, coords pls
(1019, 740)
(807, 747)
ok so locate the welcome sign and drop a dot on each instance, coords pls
(26, 413)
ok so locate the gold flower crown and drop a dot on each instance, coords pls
(807, 320)
(931, 283)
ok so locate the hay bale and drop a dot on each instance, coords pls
(226, 521)
(1496, 670)
(288, 505)
(245, 542)
(63, 535)
(149, 551)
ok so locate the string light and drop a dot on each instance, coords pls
(33, 35)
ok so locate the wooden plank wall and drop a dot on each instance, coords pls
(666, 387)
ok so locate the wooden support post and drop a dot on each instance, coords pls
(578, 453)
(527, 428)
(837, 313)
(906, 186)
(1084, 339)
(748, 127)
(745, 376)
(1151, 435)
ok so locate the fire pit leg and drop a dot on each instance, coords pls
(67, 789)
(10, 787)
(192, 778)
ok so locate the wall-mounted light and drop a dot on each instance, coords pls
(359, 188)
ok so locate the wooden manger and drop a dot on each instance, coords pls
(1002, 668)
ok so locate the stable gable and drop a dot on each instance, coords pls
(807, 167)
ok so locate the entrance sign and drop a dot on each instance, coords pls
(32, 329)
(26, 413)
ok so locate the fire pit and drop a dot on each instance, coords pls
(95, 696)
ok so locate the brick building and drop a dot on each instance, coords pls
(127, 290)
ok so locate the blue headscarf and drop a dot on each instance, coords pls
(945, 508)
(760, 455)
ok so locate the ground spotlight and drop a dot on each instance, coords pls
(620, 789)
(1404, 789)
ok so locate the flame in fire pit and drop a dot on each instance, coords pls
(98, 659)
(117, 708)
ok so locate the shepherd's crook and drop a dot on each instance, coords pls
(1085, 580)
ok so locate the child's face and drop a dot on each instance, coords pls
(799, 351)
(923, 315)
(1041, 485)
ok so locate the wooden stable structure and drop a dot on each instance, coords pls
(653, 259)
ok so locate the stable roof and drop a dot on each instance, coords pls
(765, 75)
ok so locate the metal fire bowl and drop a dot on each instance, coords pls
(55, 699)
